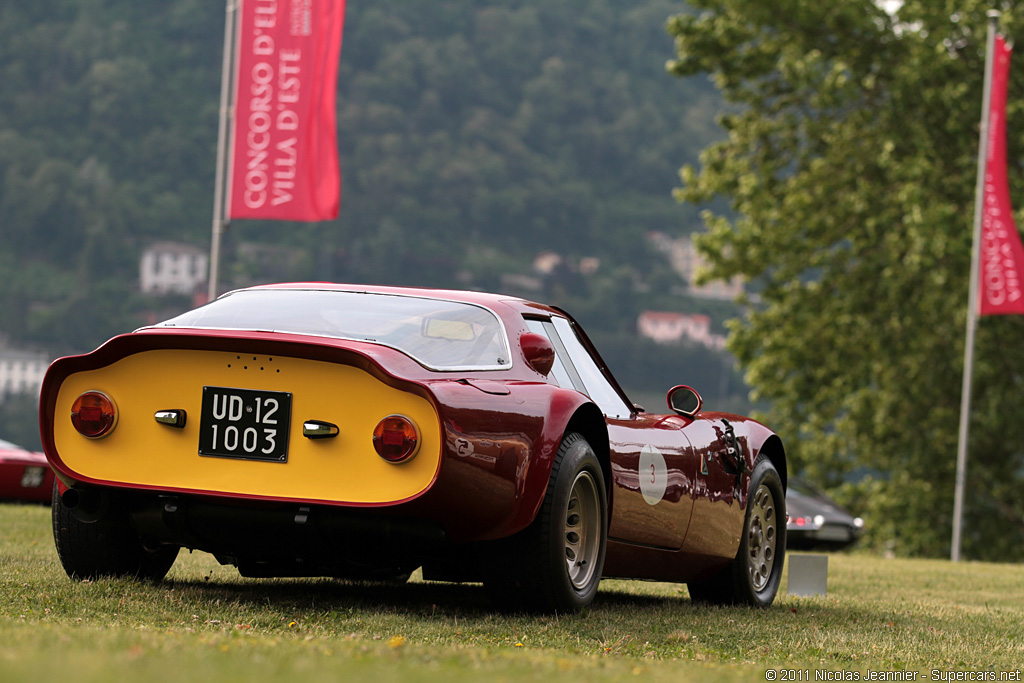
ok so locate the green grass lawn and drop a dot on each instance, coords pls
(205, 622)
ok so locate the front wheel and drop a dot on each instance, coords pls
(107, 546)
(753, 577)
(555, 564)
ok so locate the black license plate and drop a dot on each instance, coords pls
(242, 423)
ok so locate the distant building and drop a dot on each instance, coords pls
(173, 268)
(686, 261)
(516, 282)
(546, 262)
(589, 265)
(672, 328)
(21, 372)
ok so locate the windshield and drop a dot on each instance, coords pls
(441, 335)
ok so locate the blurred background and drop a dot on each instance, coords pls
(534, 147)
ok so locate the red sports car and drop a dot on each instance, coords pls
(24, 475)
(329, 430)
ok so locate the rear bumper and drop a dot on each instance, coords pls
(286, 539)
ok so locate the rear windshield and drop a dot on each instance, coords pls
(441, 335)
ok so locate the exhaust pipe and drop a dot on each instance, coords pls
(87, 505)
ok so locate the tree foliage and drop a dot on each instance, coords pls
(849, 168)
(514, 126)
(107, 124)
(467, 128)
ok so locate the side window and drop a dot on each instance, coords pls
(558, 371)
(597, 387)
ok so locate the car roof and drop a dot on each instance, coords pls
(472, 297)
(492, 301)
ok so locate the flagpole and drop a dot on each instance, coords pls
(219, 222)
(972, 296)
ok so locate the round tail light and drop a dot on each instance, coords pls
(94, 414)
(395, 438)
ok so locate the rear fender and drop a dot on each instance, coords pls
(569, 412)
(499, 451)
(589, 421)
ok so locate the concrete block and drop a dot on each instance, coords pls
(808, 574)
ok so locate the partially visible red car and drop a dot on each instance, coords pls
(24, 475)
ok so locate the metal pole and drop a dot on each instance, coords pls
(219, 222)
(972, 296)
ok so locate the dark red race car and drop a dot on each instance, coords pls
(24, 475)
(329, 430)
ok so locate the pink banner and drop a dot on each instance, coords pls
(1002, 255)
(284, 157)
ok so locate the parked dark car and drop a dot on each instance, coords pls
(816, 522)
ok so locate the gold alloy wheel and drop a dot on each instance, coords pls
(762, 537)
(582, 533)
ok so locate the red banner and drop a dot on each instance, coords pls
(1002, 254)
(284, 157)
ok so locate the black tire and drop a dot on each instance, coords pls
(106, 547)
(555, 564)
(753, 577)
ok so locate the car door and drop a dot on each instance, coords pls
(717, 514)
(653, 477)
(652, 463)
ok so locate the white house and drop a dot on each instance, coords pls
(173, 268)
(686, 261)
(672, 328)
(21, 372)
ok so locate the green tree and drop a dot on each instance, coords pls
(849, 171)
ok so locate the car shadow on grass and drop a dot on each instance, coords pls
(415, 597)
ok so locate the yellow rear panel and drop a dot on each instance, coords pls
(344, 469)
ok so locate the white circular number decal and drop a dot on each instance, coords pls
(653, 475)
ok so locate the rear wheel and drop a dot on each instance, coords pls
(753, 576)
(107, 546)
(555, 564)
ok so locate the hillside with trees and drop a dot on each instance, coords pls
(474, 135)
